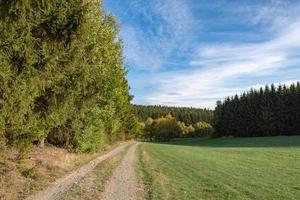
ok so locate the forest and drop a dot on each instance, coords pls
(161, 123)
(269, 111)
(62, 76)
(188, 115)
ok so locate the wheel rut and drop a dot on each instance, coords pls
(124, 185)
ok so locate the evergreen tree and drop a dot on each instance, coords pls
(183, 114)
(264, 112)
(62, 75)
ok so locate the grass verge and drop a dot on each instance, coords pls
(22, 178)
(155, 183)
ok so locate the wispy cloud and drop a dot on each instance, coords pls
(141, 54)
(167, 25)
(219, 64)
(274, 15)
(193, 53)
(178, 18)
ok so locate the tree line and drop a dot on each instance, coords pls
(168, 127)
(61, 76)
(183, 114)
(269, 111)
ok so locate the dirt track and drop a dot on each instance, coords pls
(56, 190)
(124, 182)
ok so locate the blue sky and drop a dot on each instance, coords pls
(195, 52)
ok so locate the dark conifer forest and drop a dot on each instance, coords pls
(269, 111)
(187, 115)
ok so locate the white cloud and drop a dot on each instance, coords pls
(274, 15)
(215, 70)
(177, 14)
(219, 64)
(168, 25)
(287, 82)
(141, 55)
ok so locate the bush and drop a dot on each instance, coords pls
(62, 136)
(203, 129)
(186, 130)
(166, 128)
(26, 171)
(162, 129)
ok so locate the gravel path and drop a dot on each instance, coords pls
(124, 182)
(57, 189)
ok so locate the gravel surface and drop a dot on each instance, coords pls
(56, 190)
(124, 182)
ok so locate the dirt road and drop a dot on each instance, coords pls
(58, 188)
(124, 182)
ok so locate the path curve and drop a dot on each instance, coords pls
(57, 189)
(123, 185)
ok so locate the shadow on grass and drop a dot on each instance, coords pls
(276, 141)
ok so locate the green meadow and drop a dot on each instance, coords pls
(225, 168)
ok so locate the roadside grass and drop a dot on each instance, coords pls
(151, 178)
(22, 178)
(93, 185)
(223, 168)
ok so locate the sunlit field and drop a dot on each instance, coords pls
(230, 168)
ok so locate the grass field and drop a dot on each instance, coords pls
(224, 168)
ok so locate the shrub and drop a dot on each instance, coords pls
(203, 129)
(162, 129)
(186, 130)
(26, 171)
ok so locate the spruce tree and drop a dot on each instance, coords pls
(62, 75)
(263, 112)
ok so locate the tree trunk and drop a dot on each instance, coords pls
(42, 143)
